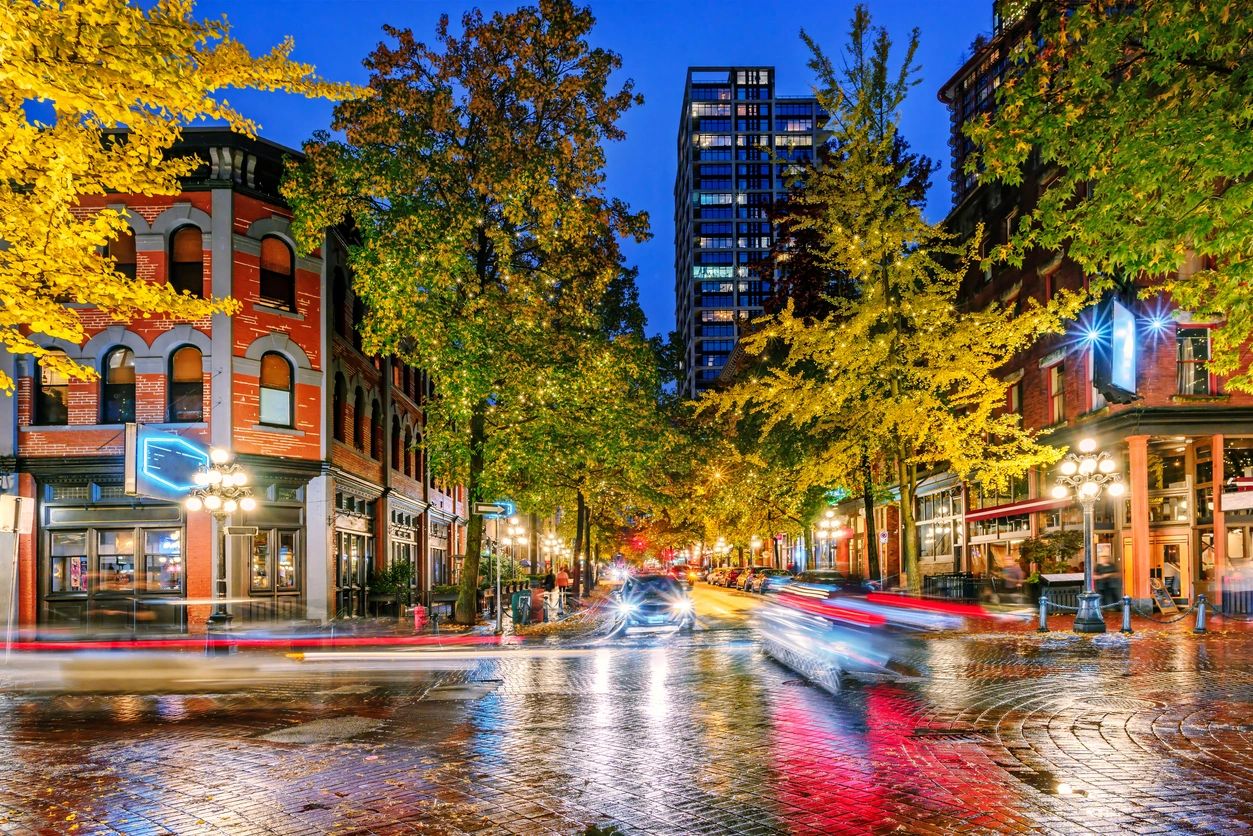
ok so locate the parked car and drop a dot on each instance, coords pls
(731, 576)
(745, 580)
(771, 580)
(654, 601)
(716, 575)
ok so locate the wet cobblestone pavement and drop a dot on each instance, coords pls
(1009, 733)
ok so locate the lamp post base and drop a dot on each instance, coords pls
(1089, 618)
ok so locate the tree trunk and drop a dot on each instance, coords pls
(907, 476)
(466, 611)
(872, 536)
(587, 568)
(809, 549)
(580, 534)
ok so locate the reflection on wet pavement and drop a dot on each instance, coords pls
(670, 734)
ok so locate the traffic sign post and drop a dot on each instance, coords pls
(497, 510)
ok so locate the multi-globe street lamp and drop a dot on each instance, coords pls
(221, 489)
(829, 528)
(1087, 474)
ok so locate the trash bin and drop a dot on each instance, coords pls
(537, 604)
(520, 604)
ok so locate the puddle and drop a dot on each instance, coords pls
(323, 731)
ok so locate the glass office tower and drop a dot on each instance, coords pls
(736, 143)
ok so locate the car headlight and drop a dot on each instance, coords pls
(683, 606)
(626, 607)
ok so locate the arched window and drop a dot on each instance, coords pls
(52, 393)
(396, 444)
(358, 420)
(186, 385)
(376, 431)
(187, 260)
(338, 418)
(408, 452)
(122, 251)
(276, 390)
(117, 397)
(278, 273)
(339, 302)
(358, 317)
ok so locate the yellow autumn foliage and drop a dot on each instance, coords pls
(97, 67)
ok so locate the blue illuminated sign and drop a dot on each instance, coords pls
(1123, 348)
(166, 464)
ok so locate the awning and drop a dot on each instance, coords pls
(1013, 509)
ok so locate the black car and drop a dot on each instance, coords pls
(824, 583)
(654, 601)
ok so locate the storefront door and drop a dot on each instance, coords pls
(352, 565)
(1170, 562)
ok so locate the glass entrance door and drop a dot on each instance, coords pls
(352, 566)
(1170, 562)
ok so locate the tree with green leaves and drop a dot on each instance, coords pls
(1144, 111)
(897, 371)
(474, 177)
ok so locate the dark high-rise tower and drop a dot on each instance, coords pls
(736, 141)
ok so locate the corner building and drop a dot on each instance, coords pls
(736, 142)
(261, 383)
(1182, 439)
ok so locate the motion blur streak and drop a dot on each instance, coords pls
(293, 643)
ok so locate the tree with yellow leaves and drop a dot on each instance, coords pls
(119, 81)
(896, 371)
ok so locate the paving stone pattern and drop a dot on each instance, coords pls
(1007, 733)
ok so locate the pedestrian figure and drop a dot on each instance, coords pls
(1105, 573)
(552, 593)
(563, 583)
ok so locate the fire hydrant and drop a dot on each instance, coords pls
(419, 618)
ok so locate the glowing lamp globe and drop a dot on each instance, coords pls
(193, 503)
(1069, 467)
(1087, 445)
(241, 478)
(230, 506)
(1089, 489)
(213, 502)
(214, 477)
(248, 503)
(1059, 492)
(1117, 489)
(1087, 466)
(201, 478)
(219, 456)
(1107, 465)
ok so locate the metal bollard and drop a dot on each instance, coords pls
(1126, 614)
(1200, 614)
(1044, 615)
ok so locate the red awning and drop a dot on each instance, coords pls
(1025, 507)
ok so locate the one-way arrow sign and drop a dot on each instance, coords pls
(495, 510)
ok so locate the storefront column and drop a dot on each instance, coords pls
(1220, 522)
(319, 552)
(1136, 570)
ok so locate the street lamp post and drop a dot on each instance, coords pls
(1087, 474)
(221, 489)
(827, 527)
(515, 535)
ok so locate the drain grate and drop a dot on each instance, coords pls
(949, 735)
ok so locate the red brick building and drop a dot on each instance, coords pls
(1181, 438)
(337, 496)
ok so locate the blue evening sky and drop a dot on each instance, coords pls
(658, 40)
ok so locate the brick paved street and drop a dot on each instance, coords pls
(1008, 733)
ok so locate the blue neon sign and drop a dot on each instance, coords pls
(166, 464)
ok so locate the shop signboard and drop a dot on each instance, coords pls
(161, 465)
(1237, 500)
(1161, 597)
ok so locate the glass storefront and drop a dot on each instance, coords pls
(104, 576)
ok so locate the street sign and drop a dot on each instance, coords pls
(499, 509)
(161, 465)
(883, 537)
